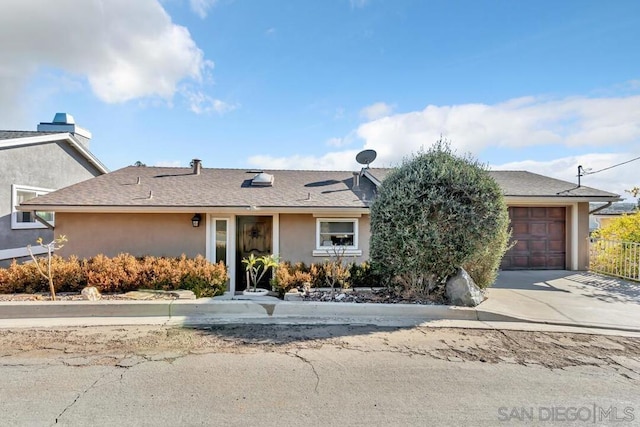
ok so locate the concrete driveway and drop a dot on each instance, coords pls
(565, 298)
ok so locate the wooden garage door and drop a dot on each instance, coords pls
(540, 238)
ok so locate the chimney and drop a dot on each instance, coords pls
(197, 166)
(64, 122)
(356, 181)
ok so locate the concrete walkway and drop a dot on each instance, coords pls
(524, 300)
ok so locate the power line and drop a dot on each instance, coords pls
(610, 167)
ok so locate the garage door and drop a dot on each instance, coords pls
(540, 238)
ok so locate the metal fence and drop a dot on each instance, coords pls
(615, 258)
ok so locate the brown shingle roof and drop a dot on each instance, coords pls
(229, 188)
(529, 184)
(180, 187)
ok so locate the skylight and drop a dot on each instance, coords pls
(262, 179)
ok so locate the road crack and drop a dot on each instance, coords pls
(78, 398)
(308, 362)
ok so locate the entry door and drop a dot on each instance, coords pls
(253, 236)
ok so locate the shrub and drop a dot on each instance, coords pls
(24, 278)
(118, 274)
(67, 274)
(111, 275)
(159, 273)
(434, 214)
(625, 228)
(362, 275)
(202, 277)
(290, 276)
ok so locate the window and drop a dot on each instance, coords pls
(220, 240)
(336, 232)
(19, 219)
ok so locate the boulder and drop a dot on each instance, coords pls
(91, 293)
(462, 290)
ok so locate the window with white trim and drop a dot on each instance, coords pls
(221, 233)
(332, 233)
(22, 220)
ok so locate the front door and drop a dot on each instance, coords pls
(254, 236)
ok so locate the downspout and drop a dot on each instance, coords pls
(43, 221)
(598, 209)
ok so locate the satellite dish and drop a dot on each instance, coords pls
(365, 157)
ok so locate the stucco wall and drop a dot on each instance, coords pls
(298, 238)
(48, 165)
(137, 234)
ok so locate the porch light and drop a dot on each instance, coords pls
(195, 221)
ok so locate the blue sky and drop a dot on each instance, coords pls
(542, 86)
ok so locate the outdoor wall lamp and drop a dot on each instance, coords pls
(195, 221)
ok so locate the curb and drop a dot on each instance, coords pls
(63, 309)
(209, 310)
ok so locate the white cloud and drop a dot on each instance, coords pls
(201, 7)
(358, 4)
(575, 123)
(125, 49)
(201, 103)
(376, 111)
(341, 160)
(341, 142)
(168, 163)
(270, 32)
(335, 142)
(521, 122)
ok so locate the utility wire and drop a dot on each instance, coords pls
(611, 167)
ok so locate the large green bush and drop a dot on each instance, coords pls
(435, 213)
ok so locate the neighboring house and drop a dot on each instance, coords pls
(225, 214)
(34, 163)
(602, 213)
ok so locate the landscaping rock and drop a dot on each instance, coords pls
(91, 293)
(462, 290)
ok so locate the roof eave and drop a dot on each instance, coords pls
(560, 199)
(250, 210)
(63, 136)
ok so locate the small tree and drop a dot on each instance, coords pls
(336, 271)
(433, 214)
(257, 267)
(52, 246)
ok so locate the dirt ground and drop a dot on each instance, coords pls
(113, 345)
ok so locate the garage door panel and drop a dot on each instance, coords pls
(521, 246)
(520, 262)
(556, 213)
(557, 263)
(538, 212)
(538, 228)
(538, 246)
(539, 233)
(556, 246)
(519, 212)
(556, 229)
(520, 228)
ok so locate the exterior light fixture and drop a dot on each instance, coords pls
(195, 221)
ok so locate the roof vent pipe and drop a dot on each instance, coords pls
(197, 166)
(356, 181)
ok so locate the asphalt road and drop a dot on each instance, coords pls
(315, 376)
